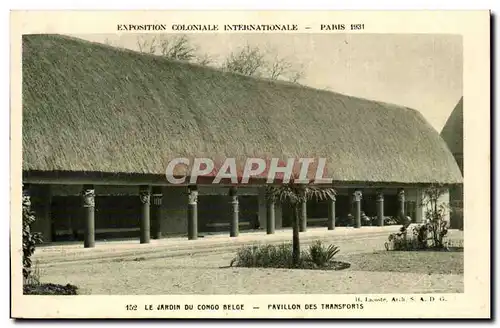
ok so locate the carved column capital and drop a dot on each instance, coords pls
(358, 195)
(233, 193)
(192, 195)
(401, 195)
(380, 196)
(145, 194)
(88, 196)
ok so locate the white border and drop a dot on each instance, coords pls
(199, 4)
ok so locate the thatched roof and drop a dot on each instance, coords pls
(88, 107)
(453, 130)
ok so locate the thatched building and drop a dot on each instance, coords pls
(100, 123)
(453, 135)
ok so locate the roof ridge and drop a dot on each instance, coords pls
(222, 71)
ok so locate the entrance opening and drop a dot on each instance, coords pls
(214, 213)
(115, 217)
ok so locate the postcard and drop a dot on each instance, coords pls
(250, 164)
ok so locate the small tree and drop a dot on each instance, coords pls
(294, 194)
(277, 68)
(435, 213)
(252, 61)
(177, 47)
(280, 68)
(30, 240)
(247, 61)
(204, 60)
(147, 45)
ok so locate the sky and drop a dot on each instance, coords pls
(421, 71)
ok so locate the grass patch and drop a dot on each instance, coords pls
(317, 256)
(428, 262)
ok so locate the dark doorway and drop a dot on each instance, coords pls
(214, 212)
(115, 217)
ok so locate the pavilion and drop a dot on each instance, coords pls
(100, 125)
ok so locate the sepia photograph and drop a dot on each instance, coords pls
(190, 159)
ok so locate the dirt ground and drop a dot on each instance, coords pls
(210, 274)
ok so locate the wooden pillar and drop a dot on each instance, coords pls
(156, 209)
(357, 212)
(192, 212)
(145, 196)
(234, 224)
(331, 213)
(401, 199)
(303, 216)
(270, 217)
(380, 208)
(88, 195)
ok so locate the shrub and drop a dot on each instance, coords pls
(33, 278)
(320, 254)
(428, 235)
(50, 289)
(435, 215)
(406, 239)
(281, 256)
(30, 240)
(414, 237)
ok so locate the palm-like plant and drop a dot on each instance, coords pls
(295, 194)
(322, 255)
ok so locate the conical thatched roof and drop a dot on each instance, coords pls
(93, 108)
(453, 130)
